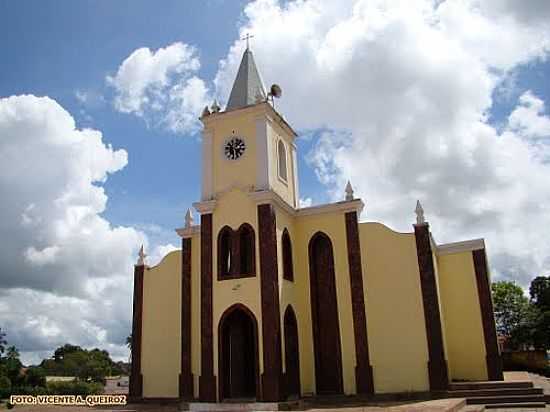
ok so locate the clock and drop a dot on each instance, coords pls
(234, 148)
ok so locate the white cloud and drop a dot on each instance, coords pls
(66, 271)
(306, 202)
(162, 87)
(400, 93)
(528, 118)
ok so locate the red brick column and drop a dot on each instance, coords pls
(272, 388)
(437, 365)
(186, 377)
(493, 359)
(207, 380)
(135, 390)
(363, 369)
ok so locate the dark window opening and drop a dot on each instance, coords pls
(246, 249)
(288, 272)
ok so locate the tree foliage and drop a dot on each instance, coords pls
(525, 322)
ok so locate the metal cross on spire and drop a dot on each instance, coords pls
(247, 37)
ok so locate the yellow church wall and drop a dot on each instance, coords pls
(232, 209)
(161, 324)
(333, 225)
(440, 301)
(240, 172)
(463, 327)
(393, 303)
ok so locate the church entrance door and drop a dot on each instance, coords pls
(324, 312)
(238, 354)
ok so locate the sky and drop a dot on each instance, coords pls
(442, 101)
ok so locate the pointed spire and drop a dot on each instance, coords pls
(419, 213)
(141, 257)
(215, 107)
(205, 111)
(188, 219)
(248, 87)
(349, 191)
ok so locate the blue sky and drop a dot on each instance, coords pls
(405, 108)
(72, 47)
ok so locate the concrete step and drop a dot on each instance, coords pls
(488, 400)
(489, 385)
(494, 392)
(528, 405)
(473, 408)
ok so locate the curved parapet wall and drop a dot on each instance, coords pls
(393, 303)
(161, 336)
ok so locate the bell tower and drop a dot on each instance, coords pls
(249, 145)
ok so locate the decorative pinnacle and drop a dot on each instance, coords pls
(141, 258)
(215, 108)
(205, 111)
(188, 219)
(419, 213)
(349, 191)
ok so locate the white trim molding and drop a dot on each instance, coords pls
(187, 232)
(206, 206)
(458, 247)
(268, 196)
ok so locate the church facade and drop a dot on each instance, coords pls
(271, 301)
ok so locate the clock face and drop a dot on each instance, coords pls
(234, 148)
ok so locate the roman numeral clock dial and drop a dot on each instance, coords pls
(234, 148)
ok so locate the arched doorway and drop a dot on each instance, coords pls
(292, 354)
(238, 354)
(324, 314)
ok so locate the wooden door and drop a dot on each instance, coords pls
(239, 363)
(324, 311)
(292, 354)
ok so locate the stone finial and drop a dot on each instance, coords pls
(215, 108)
(349, 191)
(141, 257)
(205, 112)
(419, 213)
(188, 219)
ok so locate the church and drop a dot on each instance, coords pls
(269, 301)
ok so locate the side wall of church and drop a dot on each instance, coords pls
(161, 333)
(463, 327)
(393, 303)
(333, 225)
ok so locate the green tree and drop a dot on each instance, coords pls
(516, 318)
(539, 292)
(35, 376)
(3, 342)
(12, 352)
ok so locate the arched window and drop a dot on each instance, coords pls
(281, 153)
(225, 252)
(288, 272)
(246, 250)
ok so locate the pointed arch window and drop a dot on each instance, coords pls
(236, 252)
(225, 252)
(246, 250)
(281, 155)
(288, 271)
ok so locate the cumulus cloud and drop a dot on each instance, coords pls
(66, 272)
(400, 94)
(162, 86)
